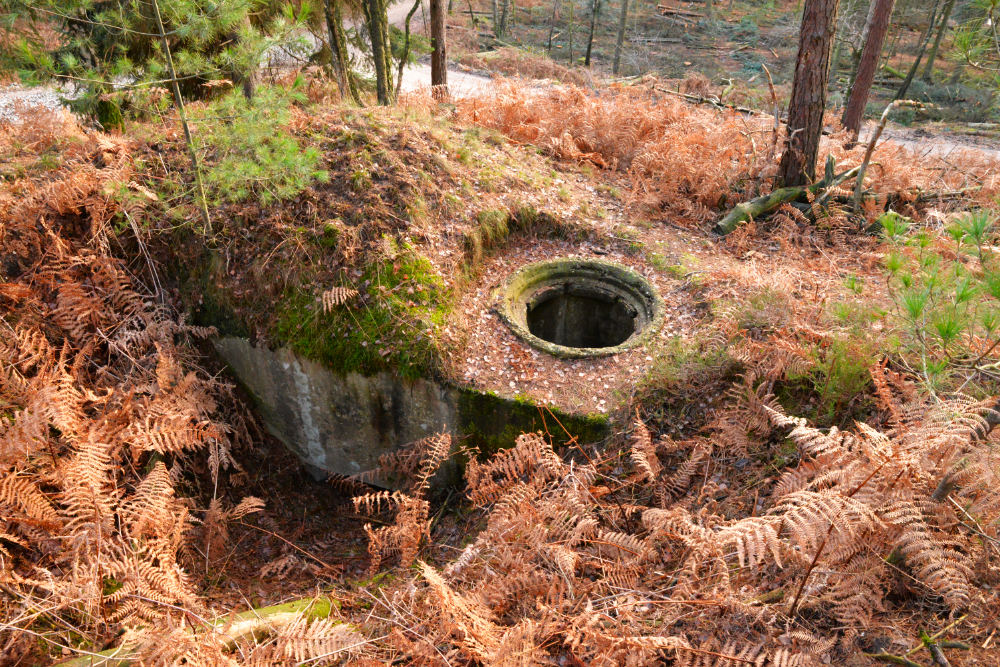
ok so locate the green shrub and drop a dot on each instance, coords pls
(946, 290)
(254, 154)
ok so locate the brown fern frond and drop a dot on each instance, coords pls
(643, 453)
(337, 296)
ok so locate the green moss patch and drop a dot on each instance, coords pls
(388, 327)
(493, 423)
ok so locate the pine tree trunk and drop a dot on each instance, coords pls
(932, 56)
(856, 53)
(901, 93)
(501, 17)
(595, 9)
(338, 51)
(572, 9)
(808, 101)
(439, 54)
(875, 32)
(377, 22)
(552, 24)
(623, 17)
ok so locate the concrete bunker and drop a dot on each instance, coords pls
(580, 307)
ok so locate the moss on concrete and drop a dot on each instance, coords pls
(493, 423)
(389, 327)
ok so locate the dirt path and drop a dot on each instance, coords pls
(924, 143)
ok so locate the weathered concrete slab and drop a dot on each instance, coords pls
(337, 423)
(342, 423)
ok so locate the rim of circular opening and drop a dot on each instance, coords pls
(619, 276)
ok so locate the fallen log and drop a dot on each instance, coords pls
(251, 624)
(666, 10)
(771, 201)
(893, 659)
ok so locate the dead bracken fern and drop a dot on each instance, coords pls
(413, 467)
(559, 571)
(103, 414)
(690, 163)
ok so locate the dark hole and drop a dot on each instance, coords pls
(576, 318)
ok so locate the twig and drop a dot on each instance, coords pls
(179, 100)
(291, 544)
(777, 115)
(937, 635)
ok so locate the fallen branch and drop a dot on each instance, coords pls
(666, 10)
(936, 653)
(893, 659)
(714, 101)
(251, 624)
(871, 147)
(771, 201)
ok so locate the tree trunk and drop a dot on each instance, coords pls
(406, 46)
(501, 17)
(338, 51)
(552, 25)
(377, 21)
(932, 56)
(901, 93)
(595, 10)
(875, 30)
(623, 17)
(856, 53)
(572, 9)
(439, 54)
(808, 101)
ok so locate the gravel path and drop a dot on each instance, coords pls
(16, 98)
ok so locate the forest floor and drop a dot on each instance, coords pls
(679, 538)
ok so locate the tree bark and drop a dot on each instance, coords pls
(572, 19)
(377, 22)
(338, 51)
(401, 66)
(439, 54)
(875, 30)
(932, 56)
(595, 10)
(552, 24)
(623, 17)
(901, 93)
(501, 17)
(808, 101)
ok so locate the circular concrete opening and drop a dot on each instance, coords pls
(580, 308)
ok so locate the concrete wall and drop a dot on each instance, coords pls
(337, 423)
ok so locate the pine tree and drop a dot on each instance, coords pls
(871, 51)
(808, 102)
(115, 55)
